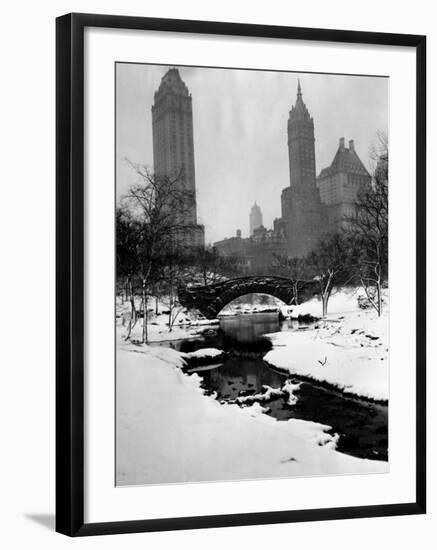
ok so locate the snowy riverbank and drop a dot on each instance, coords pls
(348, 350)
(168, 431)
(186, 324)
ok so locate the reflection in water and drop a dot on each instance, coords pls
(249, 328)
(239, 376)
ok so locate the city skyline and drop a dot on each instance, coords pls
(239, 112)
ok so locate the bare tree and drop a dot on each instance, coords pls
(329, 265)
(368, 228)
(293, 268)
(174, 272)
(209, 267)
(128, 231)
(378, 149)
(159, 206)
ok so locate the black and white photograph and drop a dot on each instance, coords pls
(216, 277)
(252, 291)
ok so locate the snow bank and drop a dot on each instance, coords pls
(205, 356)
(205, 352)
(185, 324)
(248, 309)
(159, 332)
(349, 353)
(168, 431)
(270, 393)
(343, 300)
(204, 322)
(289, 388)
(267, 395)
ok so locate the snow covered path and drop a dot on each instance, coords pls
(168, 431)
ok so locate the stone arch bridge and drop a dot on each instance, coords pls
(211, 299)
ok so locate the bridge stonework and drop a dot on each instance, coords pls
(211, 299)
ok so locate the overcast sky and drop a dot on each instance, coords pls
(240, 132)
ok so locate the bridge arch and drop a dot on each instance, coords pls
(211, 299)
(256, 301)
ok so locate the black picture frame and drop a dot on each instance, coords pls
(70, 273)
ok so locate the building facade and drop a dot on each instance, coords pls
(173, 149)
(340, 183)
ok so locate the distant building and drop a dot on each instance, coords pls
(254, 255)
(255, 218)
(340, 183)
(236, 248)
(265, 244)
(311, 207)
(173, 147)
(302, 212)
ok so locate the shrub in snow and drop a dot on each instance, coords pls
(363, 302)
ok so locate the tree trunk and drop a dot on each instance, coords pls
(370, 289)
(324, 305)
(379, 296)
(146, 323)
(133, 312)
(326, 293)
(145, 313)
(170, 307)
(133, 318)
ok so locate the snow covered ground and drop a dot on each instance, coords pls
(168, 431)
(187, 324)
(205, 353)
(246, 309)
(348, 350)
(342, 300)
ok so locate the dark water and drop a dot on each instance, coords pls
(362, 425)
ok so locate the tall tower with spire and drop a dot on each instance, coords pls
(301, 140)
(173, 146)
(255, 218)
(302, 211)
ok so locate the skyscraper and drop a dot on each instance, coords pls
(302, 212)
(255, 218)
(301, 153)
(173, 147)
